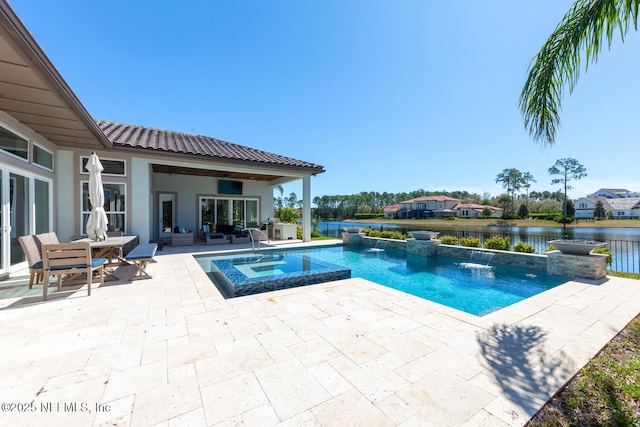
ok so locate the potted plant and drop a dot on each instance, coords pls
(424, 235)
(352, 230)
(576, 246)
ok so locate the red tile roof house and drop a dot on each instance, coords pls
(428, 207)
(472, 210)
(46, 135)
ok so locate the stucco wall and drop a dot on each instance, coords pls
(190, 188)
(515, 259)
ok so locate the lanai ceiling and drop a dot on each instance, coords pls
(178, 170)
(33, 92)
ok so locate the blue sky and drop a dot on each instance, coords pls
(389, 96)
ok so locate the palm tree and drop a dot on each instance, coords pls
(583, 29)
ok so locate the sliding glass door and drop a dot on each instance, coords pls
(25, 209)
(228, 211)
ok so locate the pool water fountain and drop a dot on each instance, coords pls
(478, 260)
(481, 257)
(380, 246)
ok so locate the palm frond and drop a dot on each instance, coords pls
(584, 29)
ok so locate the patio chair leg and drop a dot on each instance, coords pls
(89, 280)
(44, 287)
(33, 275)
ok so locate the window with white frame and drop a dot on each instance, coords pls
(42, 157)
(229, 211)
(14, 144)
(112, 167)
(114, 205)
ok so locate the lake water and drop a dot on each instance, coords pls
(334, 229)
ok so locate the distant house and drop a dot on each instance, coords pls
(391, 210)
(620, 203)
(471, 210)
(585, 206)
(428, 207)
(615, 193)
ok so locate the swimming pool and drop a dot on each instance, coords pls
(252, 273)
(471, 287)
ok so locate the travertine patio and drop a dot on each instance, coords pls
(171, 351)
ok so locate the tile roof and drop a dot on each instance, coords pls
(616, 204)
(432, 198)
(476, 207)
(124, 135)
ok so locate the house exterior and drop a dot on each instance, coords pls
(585, 206)
(154, 179)
(615, 193)
(620, 203)
(391, 211)
(472, 210)
(427, 207)
(624, 208)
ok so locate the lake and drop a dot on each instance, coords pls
(334, 229)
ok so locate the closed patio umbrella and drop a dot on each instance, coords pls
(97, 222)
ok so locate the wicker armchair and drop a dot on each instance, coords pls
(34, 259)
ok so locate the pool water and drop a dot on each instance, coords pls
(472, 287)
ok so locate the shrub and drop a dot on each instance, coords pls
(315, 226)
(560, 219)
(386, 234)
(470, 242)
(605, 251)
(288, 214)
(374, 233)
(366, 231)
(550, 248)
(523, 247)
(368, 215)
(299, 231)
(449, 240)
(398, 235)
(499, 243)
(542, 216)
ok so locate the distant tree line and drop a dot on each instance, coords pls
(516, 184)
(348, 205)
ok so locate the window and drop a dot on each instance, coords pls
(13, 144)
(111, 167)
(114, 205)
(228, 211)
(42, 157)
(42, 205)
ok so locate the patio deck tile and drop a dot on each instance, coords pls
(171, 351)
